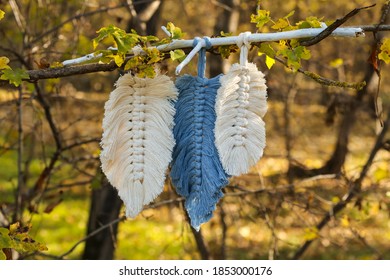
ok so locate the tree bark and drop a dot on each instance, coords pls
(227, 21)
(105, 208)
(106, 203)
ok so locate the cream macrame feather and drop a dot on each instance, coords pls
(137, 138)
(240, 106)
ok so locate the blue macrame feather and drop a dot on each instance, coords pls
(197, 172)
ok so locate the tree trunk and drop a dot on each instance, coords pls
(106, 203)
(337, 159)
(227, 21)
(105, 208)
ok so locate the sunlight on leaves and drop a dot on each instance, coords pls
(17, 237)
(178, 55)
(311, 233)
(269, 61)
(14, 77)
(385, 51)
(344, 221)
(4, 62)
(336, 63)
(261, 18)
(176, 32)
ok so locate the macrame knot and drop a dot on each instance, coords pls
(207, 42)
(196, 41)
(244, 45)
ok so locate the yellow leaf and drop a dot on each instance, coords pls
(345, 221)
(4, 62)
(336, 63)
(1, 14)
(311, 233)
(335, 199)
(119, 59)
(269, 61)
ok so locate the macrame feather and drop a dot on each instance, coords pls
(240, 106)
(137, 138)
(196, 170)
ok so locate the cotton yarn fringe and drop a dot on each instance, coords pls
(137, 140)
(196, 170)
(241, 104)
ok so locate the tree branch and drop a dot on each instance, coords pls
(354, 190)
(79, 16)
(328, 31)
(325, 81)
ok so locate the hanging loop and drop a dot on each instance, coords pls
(244, 45)
(202, 57)
(198, 44)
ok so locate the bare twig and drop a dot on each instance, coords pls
(198, 236)
(20, 185)
(328, 31)
(325, 81)
(354, 190)
(82, 15)
(109, 225)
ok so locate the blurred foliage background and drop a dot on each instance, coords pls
(321, 191)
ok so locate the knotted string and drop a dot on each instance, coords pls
(244, 45)
(240, 106)
(202, 55)
(196, 170)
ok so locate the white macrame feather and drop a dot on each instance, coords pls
(240, 106)
(137, 138)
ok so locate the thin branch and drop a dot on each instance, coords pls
(325, 81)
(328, 31)
(354, 190)
(20, 185)
(83, 15)
(375, 28)
(110, 224)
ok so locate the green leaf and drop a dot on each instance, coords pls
(177, 55)
(2, 13)
(14, 76)
(149, 39)
(302, 52)
(226, 34)
(146, 71)
(289, 14)
(21, 240)
(225, 51)
(175, 31)
(5, 240)
(310, 22)
(280, 24)
(124, 41)
(132, 63)
(153, 55)
(266, 48)
(4, 62)
(261, 18)
(2, 256)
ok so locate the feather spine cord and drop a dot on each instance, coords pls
(240, 130)
(197, 173)
(137, 139)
